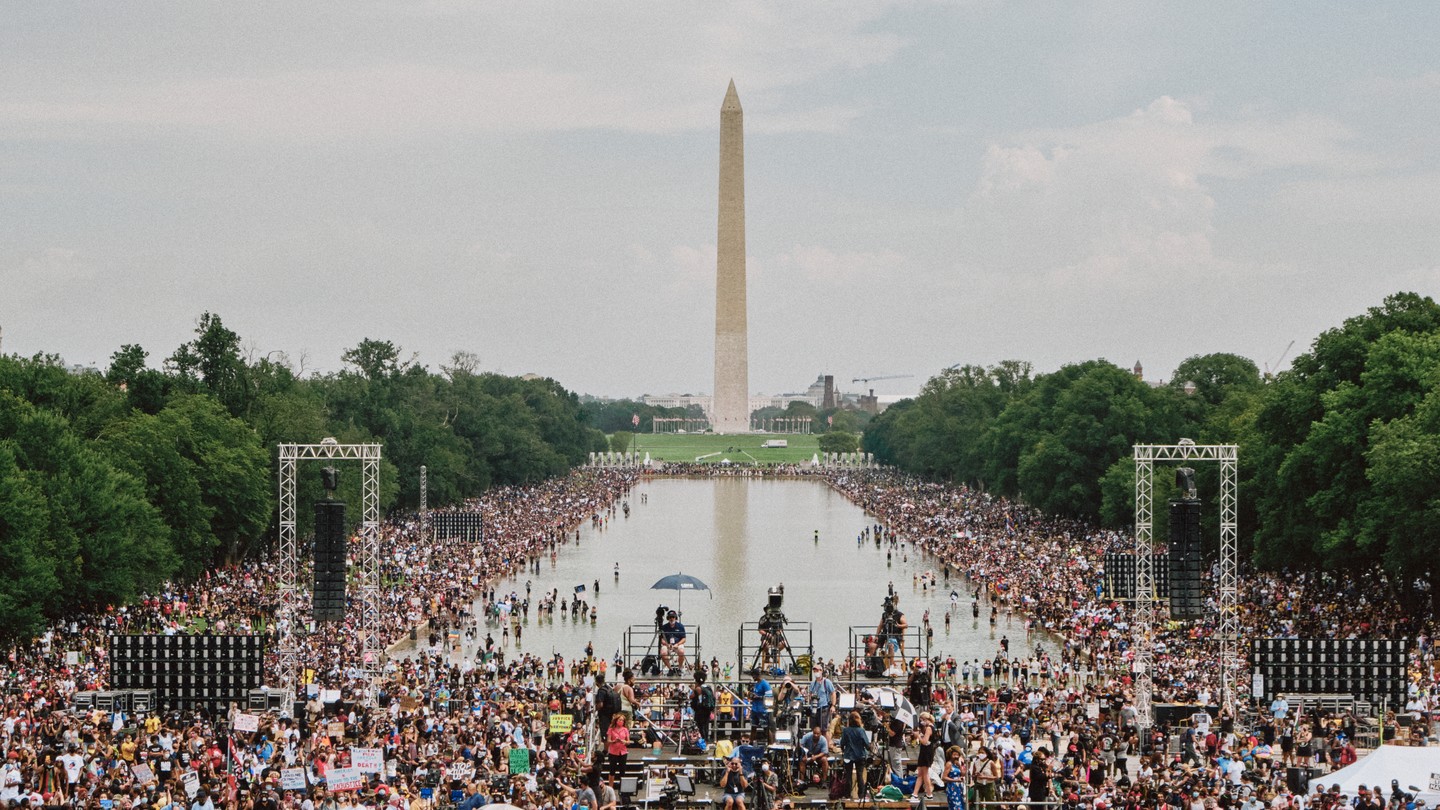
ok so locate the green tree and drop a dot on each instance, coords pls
(212, 363)
(620, 441)
(107, 542)
(30, 585)
(207, 473)
(838, 441)
(1311, 434)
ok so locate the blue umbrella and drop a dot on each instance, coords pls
(680, 583)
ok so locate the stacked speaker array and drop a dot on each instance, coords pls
(327, 602)
(1366, 669)
(465, 525)
(1187, 560)
(1120, 575)
(186, 672)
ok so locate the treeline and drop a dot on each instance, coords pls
(1339, 455)
(112, 484)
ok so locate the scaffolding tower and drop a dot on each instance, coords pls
(1143, 624)
(290, 615)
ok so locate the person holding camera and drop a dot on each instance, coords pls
(733, 783)
(767, 785)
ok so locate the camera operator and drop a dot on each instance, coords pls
(733, 783)
(891, 631)
(766, 786)
(821, 693)
(918, 686)
(672, 640)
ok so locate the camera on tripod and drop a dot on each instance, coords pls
(773, 617)
(889, 621)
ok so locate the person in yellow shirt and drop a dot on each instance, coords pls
(127, 750)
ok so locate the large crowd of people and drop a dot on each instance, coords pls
(464, 722)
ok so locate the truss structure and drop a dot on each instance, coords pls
(290, 615)
(424, 496)
(1143, 622)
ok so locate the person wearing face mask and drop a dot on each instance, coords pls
(986, 771)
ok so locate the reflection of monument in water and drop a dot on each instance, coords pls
(732, 518)
(730, 408)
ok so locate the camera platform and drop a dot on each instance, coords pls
(875, 664)
(640, 648)
(776, 648)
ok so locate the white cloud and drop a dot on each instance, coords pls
(1128, 202)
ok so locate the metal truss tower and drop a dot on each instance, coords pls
(290, 615)
(424, 498)
(1143, 623)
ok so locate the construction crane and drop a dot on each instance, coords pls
(1270, 368)
(867, 380)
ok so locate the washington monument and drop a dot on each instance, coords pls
(730, 410)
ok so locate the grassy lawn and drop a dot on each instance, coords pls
(739, 449)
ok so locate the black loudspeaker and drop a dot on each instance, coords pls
(1187, 556)
(463, 525)
(1298, 780)
(1120, 575)
(328, 597)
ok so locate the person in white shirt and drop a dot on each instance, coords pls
(74, 766)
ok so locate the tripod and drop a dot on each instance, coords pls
(774, 642)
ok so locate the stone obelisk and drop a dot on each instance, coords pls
(730, 411)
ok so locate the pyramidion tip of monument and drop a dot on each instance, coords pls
(732, 98)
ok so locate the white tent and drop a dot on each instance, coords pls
(1412, 767)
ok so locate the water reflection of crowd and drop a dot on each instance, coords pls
(456, 726)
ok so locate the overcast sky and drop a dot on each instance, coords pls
(926, 183)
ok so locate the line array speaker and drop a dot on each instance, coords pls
(1187, 556)
(327, 603)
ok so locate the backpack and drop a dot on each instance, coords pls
(706, 700)
(607, 701)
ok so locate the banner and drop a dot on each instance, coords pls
(247, 722)
(142, 773)
(519, 760)
(367, 760)
(460, 771)
(191, 781)
(292, 778)
(561, 723)
(335, 729)
(344, 779)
